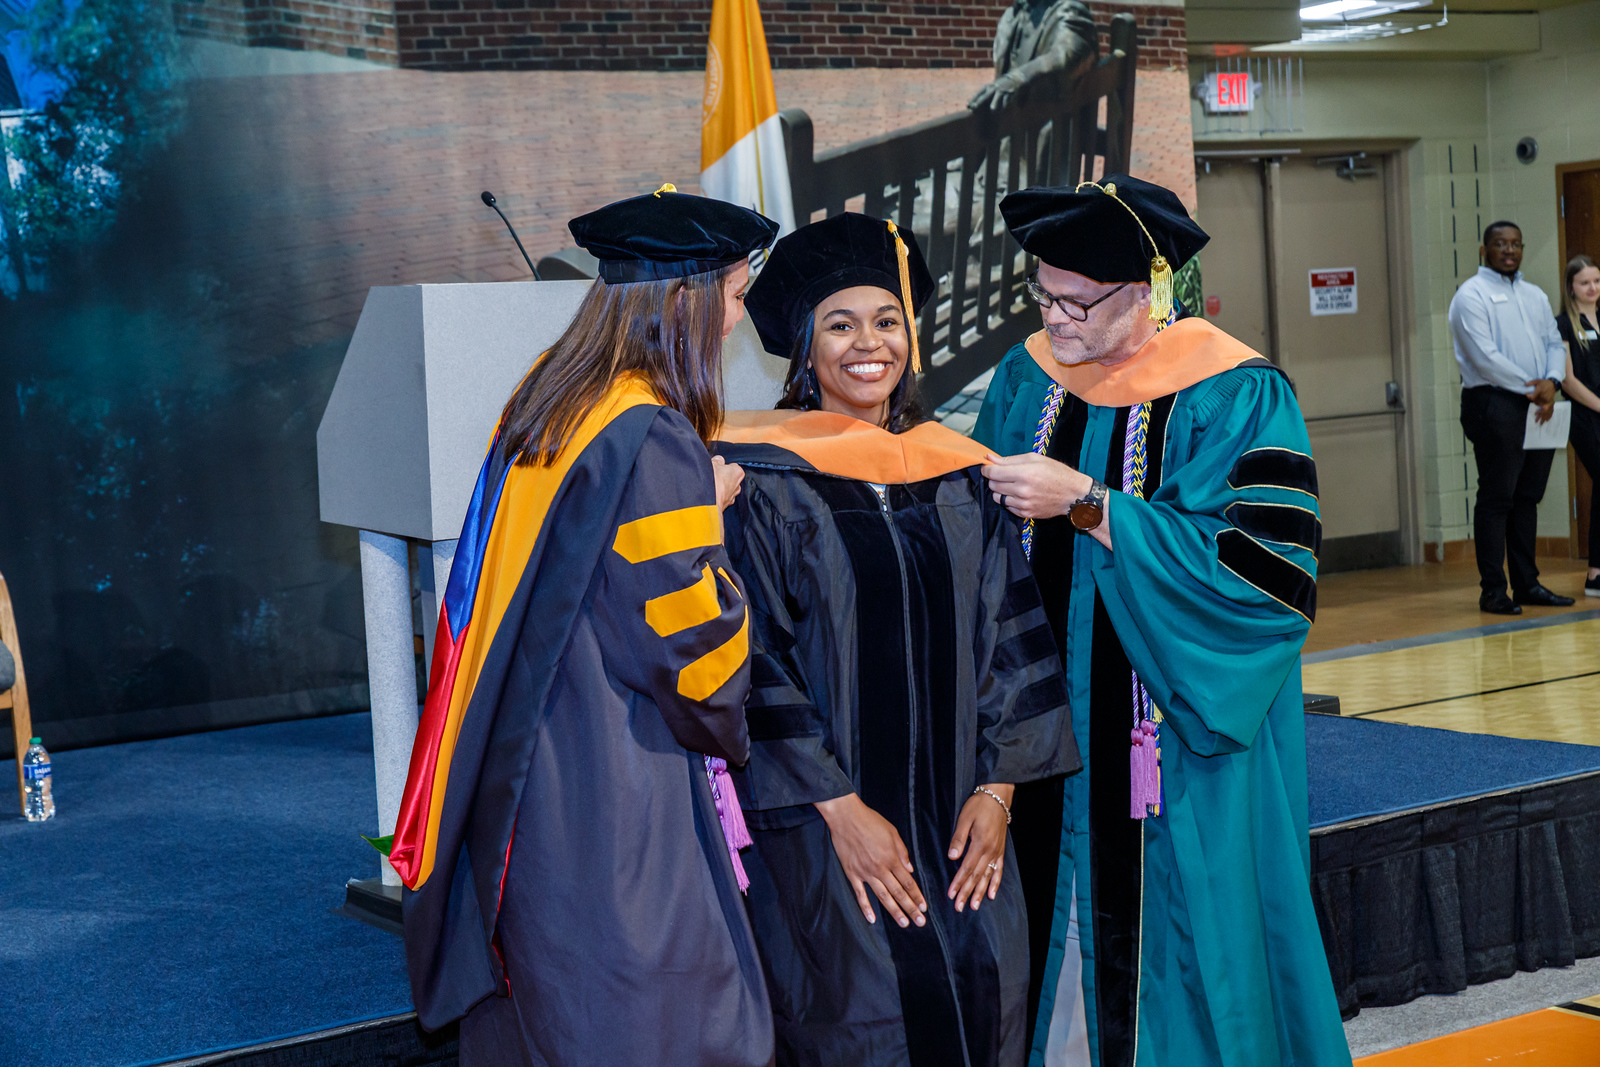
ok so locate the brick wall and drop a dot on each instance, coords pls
(671, 34)
(214, 20)
(1163, 37)
(358, 29)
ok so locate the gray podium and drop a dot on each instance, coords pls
(399, 449)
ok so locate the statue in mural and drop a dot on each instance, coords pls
(1037, 37)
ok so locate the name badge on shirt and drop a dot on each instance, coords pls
(1590, 335)
(1498, 298)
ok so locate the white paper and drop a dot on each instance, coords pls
(1552, 434)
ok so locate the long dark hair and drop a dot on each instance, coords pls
(669, 332)
(1574, 266)
(802, 391)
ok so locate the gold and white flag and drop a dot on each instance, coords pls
(741, 142)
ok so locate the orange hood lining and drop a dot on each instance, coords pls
(849, 448)
(1185, 353)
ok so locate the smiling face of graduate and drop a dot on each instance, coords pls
(859, 350)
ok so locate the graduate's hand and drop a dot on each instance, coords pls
(1031, 486)
(730, 477)
(982, 824)
(872, 854)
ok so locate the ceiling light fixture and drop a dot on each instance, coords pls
(1346, 10)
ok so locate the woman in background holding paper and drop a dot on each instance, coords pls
(1580, 289)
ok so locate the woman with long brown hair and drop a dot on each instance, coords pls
(899, 683)
(1580, 289)
(568, 834)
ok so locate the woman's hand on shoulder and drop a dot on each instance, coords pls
(730, 477)
(981, 835)
(871, 852)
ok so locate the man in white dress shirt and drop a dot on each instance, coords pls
(1511, 356)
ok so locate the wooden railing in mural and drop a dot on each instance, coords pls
(1060, 132)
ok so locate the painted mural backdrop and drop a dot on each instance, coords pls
(197, 196)
(158, 523)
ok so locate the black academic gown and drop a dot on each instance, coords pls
(583, 909)
(899, 651)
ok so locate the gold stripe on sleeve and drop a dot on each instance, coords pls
(676, 612)
(660, 535)
(707, 674)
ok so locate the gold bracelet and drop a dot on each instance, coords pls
(1004, 806)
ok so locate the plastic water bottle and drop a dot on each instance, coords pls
(36, 783)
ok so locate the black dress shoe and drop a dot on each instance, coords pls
(1540, 597)
(1498, 604)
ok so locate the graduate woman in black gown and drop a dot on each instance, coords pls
(565, 832)
(902, 680)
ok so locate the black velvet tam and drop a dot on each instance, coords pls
(816, 261)
(1091, 234)
(669, 235)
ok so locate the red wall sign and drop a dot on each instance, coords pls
(1213, 306)
(1333, 292)
(1233, 91)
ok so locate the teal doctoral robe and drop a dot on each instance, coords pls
(1199, 940)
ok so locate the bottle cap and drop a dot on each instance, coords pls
(34, 741)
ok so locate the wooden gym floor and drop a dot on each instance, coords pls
(1523, 679)
(1365, 606)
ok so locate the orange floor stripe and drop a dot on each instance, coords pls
(1549, 1038)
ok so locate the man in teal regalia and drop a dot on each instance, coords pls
(1170, 504)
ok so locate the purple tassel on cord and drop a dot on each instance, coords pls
(1144, 772)
(734, 831)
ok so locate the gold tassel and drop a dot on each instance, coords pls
(905, 296)
(1160, 290)
(1160, 269)
(666, 187)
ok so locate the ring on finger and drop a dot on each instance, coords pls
(994, 865)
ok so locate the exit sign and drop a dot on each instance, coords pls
(1227, 92)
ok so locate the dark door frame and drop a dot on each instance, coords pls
(1562, 170)
(1580, 484)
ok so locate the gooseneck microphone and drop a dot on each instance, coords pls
(488, 198)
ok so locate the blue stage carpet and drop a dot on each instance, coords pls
(1360, 767)
(179, 901)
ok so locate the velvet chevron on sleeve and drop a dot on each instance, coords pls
(791, 737)
(1201, 549)
(1018, 669)
(593, 654)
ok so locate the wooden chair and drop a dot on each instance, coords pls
(15, 698)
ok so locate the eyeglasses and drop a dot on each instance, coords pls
(1070, 308)
(1506, 246)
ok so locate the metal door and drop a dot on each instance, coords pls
(1234, 263)
(1282, 221)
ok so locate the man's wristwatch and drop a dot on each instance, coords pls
(1089, 511)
